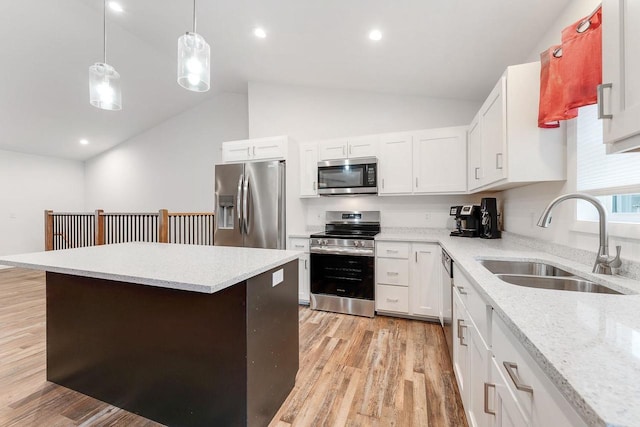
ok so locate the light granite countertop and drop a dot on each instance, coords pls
(206, 269)
(587, 344)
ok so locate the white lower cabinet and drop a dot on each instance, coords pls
(499, 382)
(537, 400)
(505, 409)
(408, 279)
(304, 267)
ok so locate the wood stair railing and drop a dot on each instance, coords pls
(64, 230)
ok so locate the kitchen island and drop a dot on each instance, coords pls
(184, 335)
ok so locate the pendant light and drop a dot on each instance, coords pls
(104, 80)
(194, 60)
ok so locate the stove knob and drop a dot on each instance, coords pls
(356, 243)
(325, 242)
(361, 243)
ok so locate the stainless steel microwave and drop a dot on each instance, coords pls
(348, 176)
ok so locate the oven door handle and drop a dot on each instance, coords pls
(338, 251)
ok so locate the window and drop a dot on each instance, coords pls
(614, 178)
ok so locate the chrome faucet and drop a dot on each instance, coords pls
(604, 264)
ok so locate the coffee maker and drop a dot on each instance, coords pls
(467, 220)
(489, 222)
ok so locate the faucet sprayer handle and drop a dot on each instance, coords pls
(616, 262)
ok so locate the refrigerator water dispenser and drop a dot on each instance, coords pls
(226, 211)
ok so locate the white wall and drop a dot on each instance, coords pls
(523, 206)
(169, 166)
(30, 184)
(306, 113)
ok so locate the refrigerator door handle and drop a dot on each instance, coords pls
(245, 205)
(238, 201)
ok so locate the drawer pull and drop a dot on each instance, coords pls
(461, 290)
(512, 370)
(392, 273)
(392, 251)
(460, 334)
(299, 246)
(393, 299)
(486, 398)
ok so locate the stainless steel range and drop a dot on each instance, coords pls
(343, 263)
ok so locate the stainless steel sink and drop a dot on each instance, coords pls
(576, 284)
(523, 267)
(542, 276)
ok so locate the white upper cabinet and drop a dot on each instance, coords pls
(343, 148)
(506, 147)
(620, 93)
(440, 161)
(494, 134)
(333, 149)
(474, 154)
(395, 175)
(308, 169)
(363, 146)
(249, 150)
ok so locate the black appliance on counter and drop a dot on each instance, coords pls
(343, 263)
(468, 220)
(489, 214)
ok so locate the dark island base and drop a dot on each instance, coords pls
(177, 357)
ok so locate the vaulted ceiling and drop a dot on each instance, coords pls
(451, 49)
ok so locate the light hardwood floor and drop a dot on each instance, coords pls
(353, 371)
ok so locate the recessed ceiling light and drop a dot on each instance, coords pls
(84, 141)
(260, 33)
(375, 35)
(115, 6)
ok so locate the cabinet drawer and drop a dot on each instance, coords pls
(392, 271)
(299, 244)
(476, 306)
(392, 298)
(392, 250)
(538, 397)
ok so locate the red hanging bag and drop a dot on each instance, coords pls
(581, 69)
(552, 105)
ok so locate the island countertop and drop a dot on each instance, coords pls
(205, 269)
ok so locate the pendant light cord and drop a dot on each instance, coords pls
(194, 16)
(104, 30)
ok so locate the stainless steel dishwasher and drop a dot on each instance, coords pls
(447, 300)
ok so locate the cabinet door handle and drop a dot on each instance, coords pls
(416, 182)
(461, 290)
(254, 150)
(476, 173)
(393, 299)
(486, 398)
(498, 160)
(248, 151)
(383, 183)
(344, 152)
(350, 149)
(305, 264)
(512, 370)
(416, 256)
(600, 97)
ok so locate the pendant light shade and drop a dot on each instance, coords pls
(194, 56)
(104, 87)
(194, 60)
(104, 80)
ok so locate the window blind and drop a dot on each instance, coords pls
(598, 172)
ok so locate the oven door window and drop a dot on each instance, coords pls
(342, 275)
(341, 176)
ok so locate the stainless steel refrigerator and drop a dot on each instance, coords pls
(250, 205)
